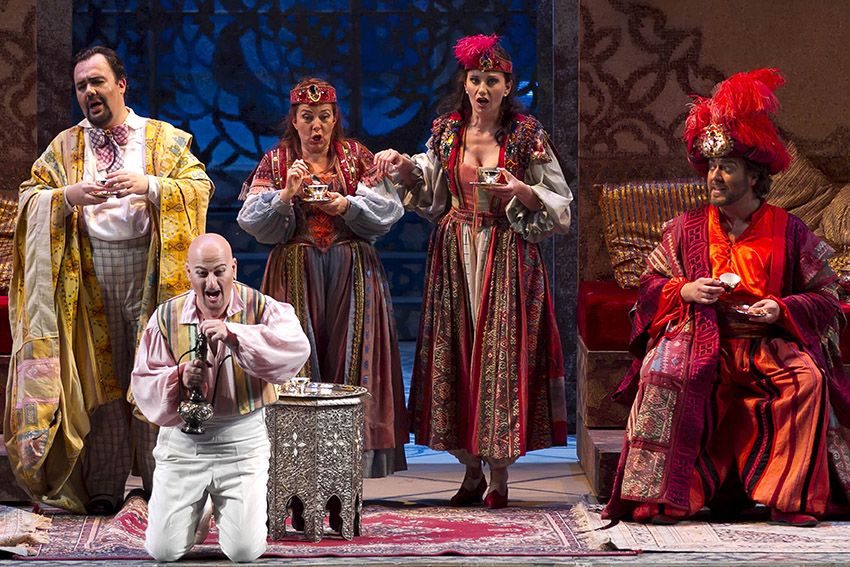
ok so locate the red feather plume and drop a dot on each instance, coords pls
(743, 104)
(468, 49)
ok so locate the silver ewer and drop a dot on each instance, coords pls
(195, 409)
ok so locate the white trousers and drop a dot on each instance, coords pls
(230, 463)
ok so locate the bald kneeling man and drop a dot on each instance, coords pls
(253, 342)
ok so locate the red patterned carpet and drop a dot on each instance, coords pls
(406, 531)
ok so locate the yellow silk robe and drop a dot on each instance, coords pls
(61, 368)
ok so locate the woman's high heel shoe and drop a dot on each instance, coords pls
(496, 499)
(466, 497)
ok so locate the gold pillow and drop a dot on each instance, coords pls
(634, 214)
(835, 230)
(802, 189)
(8, 214)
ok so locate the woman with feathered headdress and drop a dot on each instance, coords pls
(488, 379)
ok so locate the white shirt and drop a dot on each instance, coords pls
(125, 218)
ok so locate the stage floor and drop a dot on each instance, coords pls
(551, 476)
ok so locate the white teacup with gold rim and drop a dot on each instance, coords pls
(730, 281)
(295, 386)
(316, 192)
(488, 175)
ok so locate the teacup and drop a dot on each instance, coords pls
(297, 385)
(316, 192)
(489, 175)
(729, 280)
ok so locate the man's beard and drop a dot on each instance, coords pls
(104, 118)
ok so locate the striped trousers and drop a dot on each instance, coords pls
(770, 414)
(118, 440)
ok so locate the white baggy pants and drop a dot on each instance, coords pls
(230, 462)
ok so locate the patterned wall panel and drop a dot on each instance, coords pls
(636, 70)
(18, 64)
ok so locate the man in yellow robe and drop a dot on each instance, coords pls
(104, 225)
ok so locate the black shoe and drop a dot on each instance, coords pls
(138, 493)
(101, 507)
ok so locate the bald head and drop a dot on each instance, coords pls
(211, 268)
(209, 243)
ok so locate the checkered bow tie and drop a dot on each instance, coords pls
(106, 148)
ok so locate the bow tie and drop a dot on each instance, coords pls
(106, 146)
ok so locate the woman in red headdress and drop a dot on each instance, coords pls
(488, 379)
(325, 263)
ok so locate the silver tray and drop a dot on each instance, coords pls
(292, 389)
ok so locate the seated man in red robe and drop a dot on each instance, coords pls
(739, 393)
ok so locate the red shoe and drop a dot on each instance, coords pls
(496, 500)
(793, 519)
(465, 497)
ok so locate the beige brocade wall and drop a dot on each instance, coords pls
(639, 61)
(18, 102)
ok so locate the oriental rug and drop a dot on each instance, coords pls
(20, 530)
(386, 531)
(716, 537)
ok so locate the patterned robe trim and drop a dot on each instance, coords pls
(525, 143)
(679, 406)
(251, 393)
(61, 357)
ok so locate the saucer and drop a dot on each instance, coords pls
(311, 200)
(485, 185)
(743, 310)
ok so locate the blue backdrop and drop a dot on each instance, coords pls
(222, 70)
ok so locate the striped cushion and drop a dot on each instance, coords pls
(634, 214)
(8, 211)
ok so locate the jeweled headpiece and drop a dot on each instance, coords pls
(735, 122)
(477, 52)
(312, 94)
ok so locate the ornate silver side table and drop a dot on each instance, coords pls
(316, 434)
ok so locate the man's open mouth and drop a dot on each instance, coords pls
(212, 293)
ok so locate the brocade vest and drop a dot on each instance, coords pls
(251, 393)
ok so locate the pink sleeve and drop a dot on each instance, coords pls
(155, 379)
(276, 348)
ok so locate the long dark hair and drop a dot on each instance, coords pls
(458, 101)
(290, 139)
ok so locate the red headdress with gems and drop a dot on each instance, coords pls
(477, 52)
(735, 122)
(312, 94)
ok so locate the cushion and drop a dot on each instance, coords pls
(634, 214)
(603, 315)
(8, 212)
(834, 230)
(803, 190)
